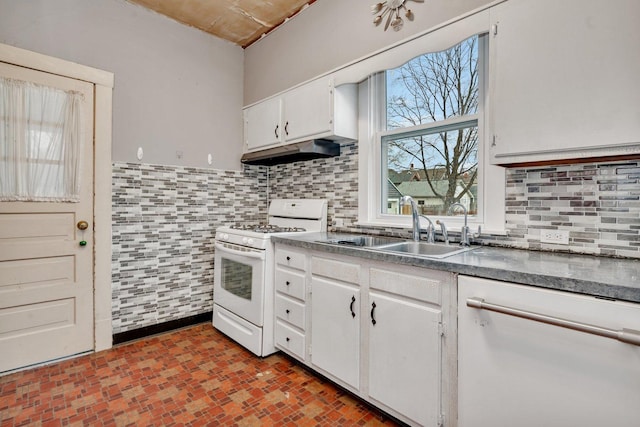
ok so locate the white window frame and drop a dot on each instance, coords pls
(491, 179)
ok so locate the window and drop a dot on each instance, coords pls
(429, 144)
(392, 143)
(40, 129)
(426, 136)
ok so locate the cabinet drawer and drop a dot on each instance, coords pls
(290, 259)
(422, 287)
(289, 339)
(343, 271)
(290, 310)
(290, 283)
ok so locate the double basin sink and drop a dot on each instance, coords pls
(398, 246)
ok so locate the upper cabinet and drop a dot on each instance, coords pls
(564, 80)
(262, 124)
(315, 110)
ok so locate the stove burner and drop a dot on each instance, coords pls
(243, 227)
(267, 228)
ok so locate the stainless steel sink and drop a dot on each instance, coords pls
(362, 241)
(429, 250)
(395, 245)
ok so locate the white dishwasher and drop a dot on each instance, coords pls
(517, 371)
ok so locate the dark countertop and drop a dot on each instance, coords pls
(612, 278)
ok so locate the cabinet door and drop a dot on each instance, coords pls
(308, 110)
(262, 124)
(405, 357)
(564, 77)
(335, 329)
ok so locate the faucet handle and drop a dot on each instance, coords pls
(443, 230)
(476, 235)
(431, 231)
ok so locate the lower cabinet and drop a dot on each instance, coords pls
(404, 357)
(335, 330)
(408, 352)
(336, 320)
(384, 331)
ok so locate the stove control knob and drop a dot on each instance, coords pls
(224, 236)
(250, 241)
(245, 240)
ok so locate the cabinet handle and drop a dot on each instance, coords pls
(288, 258)
(353, 300)
(287, 283)
(287, 311)
(628, 336)
(276, 131)
(286, 128)
(373, 308)
(288, 339)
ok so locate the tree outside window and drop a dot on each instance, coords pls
(430, 151)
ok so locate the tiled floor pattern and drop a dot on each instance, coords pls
(191, 377)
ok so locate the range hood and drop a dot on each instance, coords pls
(307, 150)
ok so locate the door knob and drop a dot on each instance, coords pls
(82, 225)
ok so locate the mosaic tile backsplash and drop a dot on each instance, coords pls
(164, 220)
(597, 203)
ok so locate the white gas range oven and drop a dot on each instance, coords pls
(243, 290)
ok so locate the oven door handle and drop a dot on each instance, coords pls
(256, 255)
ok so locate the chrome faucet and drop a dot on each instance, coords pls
(443, 230)
(431, 230)
(415, 220)
(464, 232)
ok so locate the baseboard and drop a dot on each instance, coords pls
(146, 331)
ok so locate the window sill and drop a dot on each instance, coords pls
(453, 226)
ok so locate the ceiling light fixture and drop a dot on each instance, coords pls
(391, 8)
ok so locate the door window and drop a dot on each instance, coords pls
(40, 134)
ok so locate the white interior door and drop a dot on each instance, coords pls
(46, 277)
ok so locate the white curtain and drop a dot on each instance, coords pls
(40, 136)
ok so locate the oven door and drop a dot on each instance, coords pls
(239, 281)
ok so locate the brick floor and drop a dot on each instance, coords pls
(190, 377)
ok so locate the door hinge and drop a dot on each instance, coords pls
(441, 329)
(441, 420)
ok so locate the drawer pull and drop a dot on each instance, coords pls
(287, 283)
(288, 339)
(287, 311)
(628, 336)
(288, 258)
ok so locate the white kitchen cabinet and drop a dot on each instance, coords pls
(335, 320)
(408, 369)
(564, 80)
(405, 363)
(315, 110)
(517, 371)
(290, 301)
(262, 126)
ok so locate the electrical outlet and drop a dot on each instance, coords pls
(559, 237)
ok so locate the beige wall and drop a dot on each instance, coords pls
(329, 34)
(176, 88)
